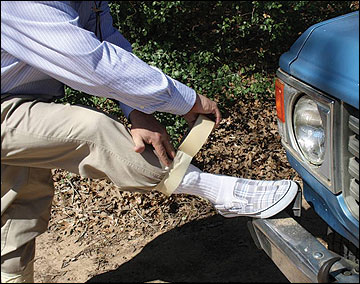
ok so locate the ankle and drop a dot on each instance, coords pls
(196, 182)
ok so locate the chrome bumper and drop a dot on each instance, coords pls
(298, 254)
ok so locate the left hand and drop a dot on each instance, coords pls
(203, 105)
(145, 129)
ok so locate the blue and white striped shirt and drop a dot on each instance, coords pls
(45, 44)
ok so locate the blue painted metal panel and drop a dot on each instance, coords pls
(326, 57)
(288, 57)
(330, 207)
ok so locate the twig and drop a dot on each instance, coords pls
(73, 197)
(143, 218)
(82, 234)
(73, 187)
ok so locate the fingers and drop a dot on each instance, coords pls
(162, 153)
(139, 143)
(163, 147)
(212, 106)
(203, 105)
(218, 117)
(169, 149)
(160, 142)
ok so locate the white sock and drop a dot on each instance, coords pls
(209, 186)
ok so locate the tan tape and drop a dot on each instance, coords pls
(192, 143)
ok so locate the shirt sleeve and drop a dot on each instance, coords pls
(49, 37)
(111, 35)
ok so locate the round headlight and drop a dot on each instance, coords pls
(309, 130)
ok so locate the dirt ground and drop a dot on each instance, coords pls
(98, 234)
(213, 249)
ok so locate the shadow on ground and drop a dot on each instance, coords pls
(215, 249)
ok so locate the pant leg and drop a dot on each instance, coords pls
(37, 136)
(26, 197)
(79, 139)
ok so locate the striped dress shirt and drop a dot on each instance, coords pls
(46, 44)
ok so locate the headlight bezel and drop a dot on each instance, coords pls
(326, 173)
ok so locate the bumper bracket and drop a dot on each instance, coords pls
(298, 254)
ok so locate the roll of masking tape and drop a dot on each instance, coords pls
(190, 145)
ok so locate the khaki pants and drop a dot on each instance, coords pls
(37, 136)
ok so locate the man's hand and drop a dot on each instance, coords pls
(146, 129)
(203, 105)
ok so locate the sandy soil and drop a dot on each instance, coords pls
(97, 234)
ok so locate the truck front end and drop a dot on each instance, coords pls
(317, 102)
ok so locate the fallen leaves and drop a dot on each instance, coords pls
(246, 144)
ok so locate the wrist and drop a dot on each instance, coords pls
(134, 114)
(195, 107)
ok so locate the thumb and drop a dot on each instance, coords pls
(139, 144)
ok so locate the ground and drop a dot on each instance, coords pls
(99, 234)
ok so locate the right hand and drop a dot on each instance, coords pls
(203, 105)
(145, 129)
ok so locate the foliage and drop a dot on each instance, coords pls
(223, 49)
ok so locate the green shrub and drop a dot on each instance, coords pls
(225, 50)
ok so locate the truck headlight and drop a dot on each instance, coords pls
(309, 129)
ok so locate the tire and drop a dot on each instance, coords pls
(342, 246)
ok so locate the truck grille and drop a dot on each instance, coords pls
(352, 195)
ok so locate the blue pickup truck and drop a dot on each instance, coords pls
(317, 103)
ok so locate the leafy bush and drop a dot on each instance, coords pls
(223, 49)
